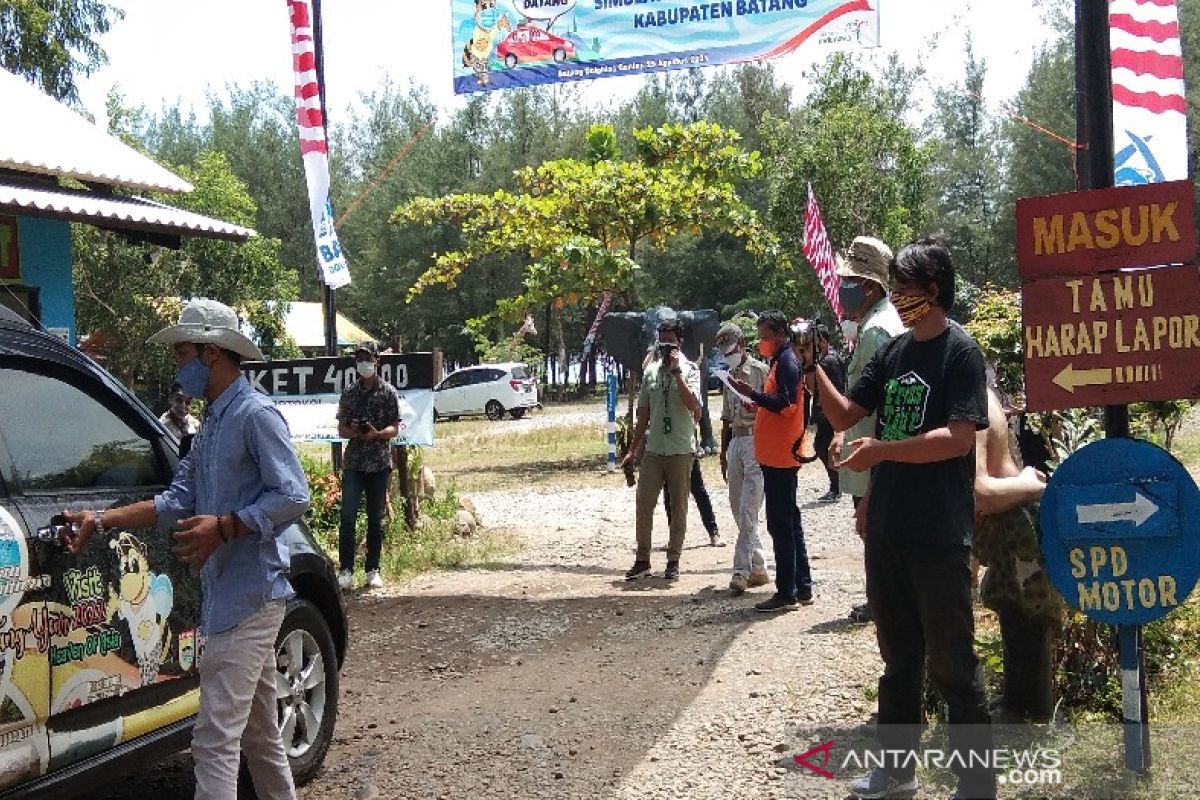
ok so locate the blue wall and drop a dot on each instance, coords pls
(46, 263)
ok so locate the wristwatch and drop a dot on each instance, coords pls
(100, 523)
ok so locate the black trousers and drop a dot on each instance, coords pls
(821, 442)
(1028, 663)
(921, 598)
(793, 577)
(700, 495)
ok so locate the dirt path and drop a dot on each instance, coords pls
(550, 677)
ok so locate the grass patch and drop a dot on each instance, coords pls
(434, 545)
(477, 458)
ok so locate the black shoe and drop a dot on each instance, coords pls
(671, 573)
(777, 603)
(639, 569)
(879, 785)
(862, 614)
(805, 598)
(714, 538)
(830, 497)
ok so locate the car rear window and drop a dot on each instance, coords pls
(520, 373)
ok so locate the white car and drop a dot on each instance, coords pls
(490, 389)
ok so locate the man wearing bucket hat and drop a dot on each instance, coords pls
(238, 487)
(864, 298)
(738, 465)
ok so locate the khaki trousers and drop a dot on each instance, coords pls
(238, 713)
(657, 471)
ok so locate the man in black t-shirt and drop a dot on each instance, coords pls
(929, 390)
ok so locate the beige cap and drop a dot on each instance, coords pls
(867, 258)
(729, 332)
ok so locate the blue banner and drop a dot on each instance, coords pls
(499, 44)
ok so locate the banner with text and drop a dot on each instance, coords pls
(499, 44)
(307, 391)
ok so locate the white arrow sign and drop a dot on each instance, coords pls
(1141, 509)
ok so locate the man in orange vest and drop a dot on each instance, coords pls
(778, 435)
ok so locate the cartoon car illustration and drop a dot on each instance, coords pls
(528, 44)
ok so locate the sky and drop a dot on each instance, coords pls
(168, 50)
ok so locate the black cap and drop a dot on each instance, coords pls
(367, 347)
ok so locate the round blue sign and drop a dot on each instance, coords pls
(1120, 521)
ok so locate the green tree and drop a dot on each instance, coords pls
(967, 177)
(53, 42)
(869, 173)
(152, 280)
(580, 223)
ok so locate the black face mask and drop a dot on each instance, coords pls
(852, 295)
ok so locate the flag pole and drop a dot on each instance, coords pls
(328, 301)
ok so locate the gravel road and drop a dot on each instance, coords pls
(550, 677)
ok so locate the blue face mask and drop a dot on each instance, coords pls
(851, 296)
(488, 17)
(193, 377)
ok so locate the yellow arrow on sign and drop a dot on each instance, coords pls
(1070, 377)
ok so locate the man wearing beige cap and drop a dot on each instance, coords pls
(739, 467)
(864, 298)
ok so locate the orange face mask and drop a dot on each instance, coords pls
(766, 349)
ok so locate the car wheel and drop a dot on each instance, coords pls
(517, 413)
(306, 688)
(494, 410)
(560, 55)
(436, 415)
(510, 61)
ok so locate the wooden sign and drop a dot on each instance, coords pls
(1083, 233)
(1111, 339)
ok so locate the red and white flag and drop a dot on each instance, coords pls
(819, 253)
(310, 119)
(1149, 106)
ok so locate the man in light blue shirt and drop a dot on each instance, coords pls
(236, 490)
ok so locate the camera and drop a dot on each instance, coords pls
(665, 349)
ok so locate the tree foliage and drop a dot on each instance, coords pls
(152, 280)
(579, 222)
(869, 172)
(53, 42)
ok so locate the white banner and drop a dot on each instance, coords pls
(310, 121)
(1149, 105)
(313, 418)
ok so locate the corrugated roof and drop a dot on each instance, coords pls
(125, 213)
(305, 323)
(43, 136)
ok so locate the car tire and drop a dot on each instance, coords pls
(494, 410)
(510, 61)
(517, 413)
(303, 638)
(560, 55)
(436, 415)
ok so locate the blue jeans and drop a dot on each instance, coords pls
(354, 483)
(793, 578)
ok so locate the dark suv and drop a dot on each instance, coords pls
(98, 652)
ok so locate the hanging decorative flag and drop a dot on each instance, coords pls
(1149, 107)
(605, 305)
(499, 44)
(310, 119)
(819, 253)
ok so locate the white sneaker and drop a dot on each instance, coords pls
(346, 580)
(374, 580)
